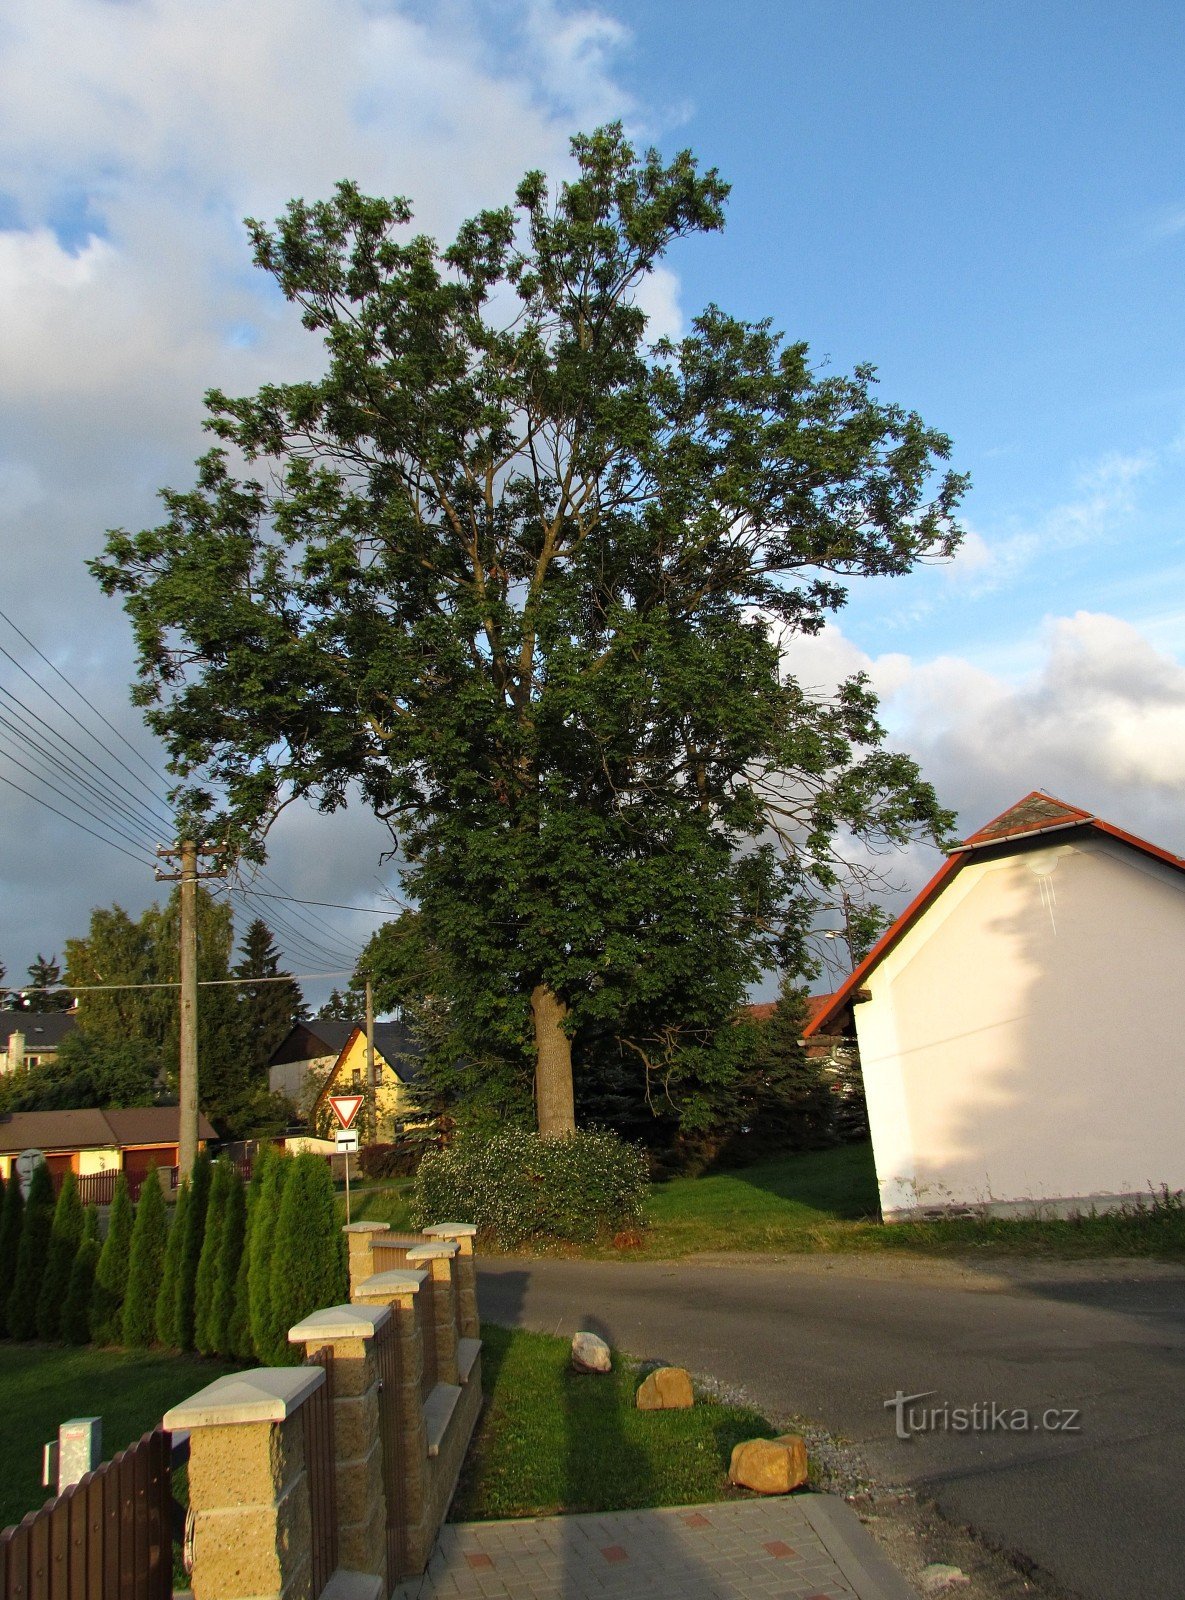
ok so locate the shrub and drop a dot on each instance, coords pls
(219, 1324)
(206, 1282)
(239, 1340)
(111, 1273)
(12, 1216)
(76, 1327)
(166, 1297)
(191, 1249)
(263, 1232)
(398, 1160)
(65, 1237)
(32, 1255)
(306, 1264)
(517, 1186)
(146, 1260)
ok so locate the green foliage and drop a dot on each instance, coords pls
(339, 1008)
(400, 1159)
(266, 1009)
(306, 1265)
(206, 1282)
(145, 1264)
(86, 1071)
(45, 991)
(32, 1256)
(239, 1336)
(518, 1187)
(191, 1250)
(264, 1221)
(65, 1237)
(76, 1326)
(166, 1297)
(525, 580)
(219, 1327)
(12, 1215)
(111, 1274)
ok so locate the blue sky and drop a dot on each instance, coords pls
(987, 202)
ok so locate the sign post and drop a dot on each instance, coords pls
(345, 1108)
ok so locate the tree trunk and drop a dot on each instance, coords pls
(555, 1109)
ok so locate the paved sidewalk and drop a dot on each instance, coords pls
(810, 1547)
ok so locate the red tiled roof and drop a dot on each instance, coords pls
(1036, 814)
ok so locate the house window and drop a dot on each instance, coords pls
(357, 1083)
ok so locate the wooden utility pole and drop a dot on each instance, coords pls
(372, 1107)
(187, 851)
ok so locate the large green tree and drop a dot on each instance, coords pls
(268, 1000)
(523, 576)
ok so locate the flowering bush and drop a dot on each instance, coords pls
(517, 1187)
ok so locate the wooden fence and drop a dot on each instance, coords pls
(107, 1537)
(98, 1188)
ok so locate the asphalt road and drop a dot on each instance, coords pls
(1095, 1502)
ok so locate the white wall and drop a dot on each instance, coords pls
(291, 1077)
(1022, 1043)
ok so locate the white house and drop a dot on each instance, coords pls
(1020, 1024)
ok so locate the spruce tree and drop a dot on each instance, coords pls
(65, 1237)
(76, 1310)
(219, 1334)
(263, 1232)
(206, 1283)
(146, 1261)
(32, 1255)
(12, 1215)
(166, 1298)
(191, 1249)
(111, 1274)
(306, 1258)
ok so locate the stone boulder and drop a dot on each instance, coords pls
(665, 1389)
(590, 1353)
(769, 1466)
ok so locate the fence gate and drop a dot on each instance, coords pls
(386, 1348)
(320, 1465)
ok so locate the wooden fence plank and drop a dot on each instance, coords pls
(39, 1556)
(58, 1519)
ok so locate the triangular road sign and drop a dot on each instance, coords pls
(345, 1107)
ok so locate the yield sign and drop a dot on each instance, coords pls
(345, 1107)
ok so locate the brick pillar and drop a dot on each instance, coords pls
(361, 1509)
(468, 1322)
(399, 1291)
(439, 1259)
(248, 1486)
(358, 1237)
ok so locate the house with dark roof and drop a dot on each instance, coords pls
(1018, 1025)
(300, 1063)
(396, 1069)
(31, 1038)
(129, 1139)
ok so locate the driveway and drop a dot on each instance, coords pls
(1094, 1499)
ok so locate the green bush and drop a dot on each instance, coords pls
(32, 1254)
(76, 1326)
(65, 1237)
(264, 1219)
(191, 1249)
(12, 1216)
(209, 1268)
(398, 1160)
(166, 1295)
(220, 1321)
(517, 1187)
(146, 1261)
(306, 1265)
(111, 1274)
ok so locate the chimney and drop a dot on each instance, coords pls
(16, 1051)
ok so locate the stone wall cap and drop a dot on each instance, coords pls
(265, 1394)
(451, 1230)
(397, 1281)
(340, 1322)
(367, 1227)
(437, 1251)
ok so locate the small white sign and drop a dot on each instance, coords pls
(347, 1139)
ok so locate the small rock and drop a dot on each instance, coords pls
(590, 1353)
(665, 1389)
(938, 1576)
(770, 1466)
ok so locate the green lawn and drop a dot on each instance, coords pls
(553, 1440)
(42, 1386)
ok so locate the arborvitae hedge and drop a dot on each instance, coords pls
(166, 1297)
(146, 1261)
(76, 1328)
(191, 1249)
(263, 1230)
(219, 1323)
(206, 1282)
(306, 1266)
(32, 1256)
(12, 1216)
(65, 1237)
(111, 1274)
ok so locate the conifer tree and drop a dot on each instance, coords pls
(206, 1282)
(32, 1255)
(145, 1264)
(12, 1215)
(166, 1298)
(219, 1323)
(241, 1343)
(65, 1237)
(76, 1310)
(111, 1273)
(263, 1232)
(191, 1249)
(306, 1257)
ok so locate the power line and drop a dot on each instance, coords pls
(203, 983)
(117, 824)
(101, 837)
(332, 905)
